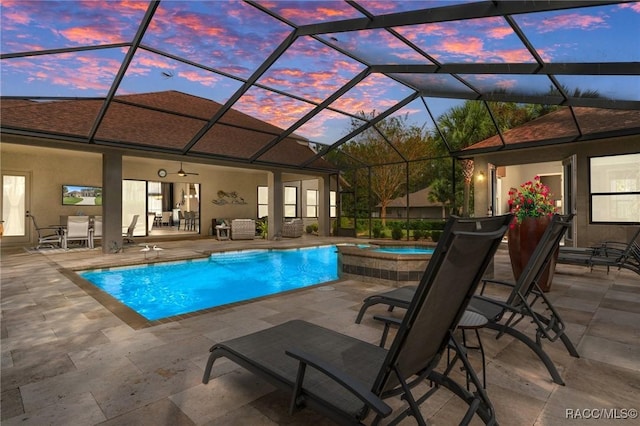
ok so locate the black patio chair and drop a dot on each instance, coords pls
(522, 301)
(608, 253)
(345, 378)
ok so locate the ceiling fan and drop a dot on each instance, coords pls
(182, 173)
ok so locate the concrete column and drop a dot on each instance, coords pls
(324, 206)
(111, 201)
(276, 205)
(481, 183)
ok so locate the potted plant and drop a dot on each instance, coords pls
(532, 207)
(263, 228)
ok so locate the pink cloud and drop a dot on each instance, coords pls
(199, 77)
(469, 46)
(633, 6)
(499, 32)
(78, 73)
(88, 35)
(417, 32)
(275, 109)
(319, 13)
(318, 127)
(17, 17)
(514, 55)
(571, 21)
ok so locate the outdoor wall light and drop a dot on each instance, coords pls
(481, 176)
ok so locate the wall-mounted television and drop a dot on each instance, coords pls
(81, 195)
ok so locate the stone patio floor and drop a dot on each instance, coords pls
(68, 360)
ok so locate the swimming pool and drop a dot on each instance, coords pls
(168, 289)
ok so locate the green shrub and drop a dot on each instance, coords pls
(417, 234)
(435, 235)
(376, 231)
(309, 229)
(396, 233)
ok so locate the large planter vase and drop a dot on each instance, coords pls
(523, 239)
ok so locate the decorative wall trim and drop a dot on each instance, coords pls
(231, 197)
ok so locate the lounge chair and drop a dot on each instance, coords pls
(345, 378)
(608, 253)
(128, 234)
(50, 236)
(519, 304)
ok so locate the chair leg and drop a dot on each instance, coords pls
(546, 360)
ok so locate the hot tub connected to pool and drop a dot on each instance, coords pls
(394, 264)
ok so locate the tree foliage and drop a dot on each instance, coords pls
(386, 156)
(386, 148)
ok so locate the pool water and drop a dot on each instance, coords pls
(163, 290)
(404, 250)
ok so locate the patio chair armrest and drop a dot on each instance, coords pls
(493, 302)
(388, 322)
(57, 228)
(491, 281)
(352, 385)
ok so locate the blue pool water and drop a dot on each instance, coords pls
(163, 290)
(404, 250)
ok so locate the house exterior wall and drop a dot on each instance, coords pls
(51, 168)
(542, 160)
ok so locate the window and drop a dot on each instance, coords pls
(263, 201)
(290, 201)
(312, 203)
(154, 197)
(615, 188)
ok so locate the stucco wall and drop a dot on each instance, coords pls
(548, 160)
(49, 169)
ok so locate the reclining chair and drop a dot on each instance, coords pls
(520, 303)
(609, 253)
(345, 378)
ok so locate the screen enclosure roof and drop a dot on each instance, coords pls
(283, 82)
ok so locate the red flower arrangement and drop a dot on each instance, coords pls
(533, 199)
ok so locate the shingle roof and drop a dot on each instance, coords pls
(164, 121)
(560, 126)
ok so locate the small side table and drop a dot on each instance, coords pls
(222, 232)
(471, 321)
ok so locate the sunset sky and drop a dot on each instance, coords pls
(234, 38)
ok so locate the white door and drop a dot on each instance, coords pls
(15, 204)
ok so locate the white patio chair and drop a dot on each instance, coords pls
(77, 229)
